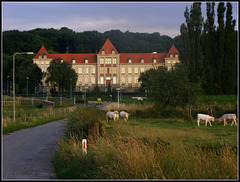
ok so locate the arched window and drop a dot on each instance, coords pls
(176, 55)
(86, 60)
(113, 51)
(39, 56)
(142, 60)
(103, 51)
(44, 56)
(154, 60)
(73, 61)
(129, 60)
(171, 55)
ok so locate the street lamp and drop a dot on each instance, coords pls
(14, 115)
(27, 85)
(7, 84)
(70, 88)
(118, 89)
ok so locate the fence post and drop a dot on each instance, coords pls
(93, 130)
(84, 146)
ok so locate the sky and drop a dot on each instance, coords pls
(144, 17)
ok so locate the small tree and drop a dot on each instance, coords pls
(60, 73)
(169, 88)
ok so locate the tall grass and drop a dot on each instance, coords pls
(151, 149)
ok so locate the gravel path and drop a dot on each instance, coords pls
(28, 153)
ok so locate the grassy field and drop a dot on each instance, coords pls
(152, 149)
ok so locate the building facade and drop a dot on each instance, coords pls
(108, 66)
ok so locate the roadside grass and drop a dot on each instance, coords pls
(31, 116)
(152, 149)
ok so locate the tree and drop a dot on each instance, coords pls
(169, 88)
(230, 61)
(61, 74)
(29, 76)
(220, 41)
(192, 46)
(210, 71)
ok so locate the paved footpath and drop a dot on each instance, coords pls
(28, 153)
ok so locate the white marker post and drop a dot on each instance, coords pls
(84, 146)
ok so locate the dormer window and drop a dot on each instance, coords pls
(171, 55)
(142, 60)
(73, 61)
(44, 56)
(103, 51)
(39, 56)
(86, 60)
(129, 60)
(113, 51)
(176, 55)
(61, 60)
(154, 60)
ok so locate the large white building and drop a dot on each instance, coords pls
(108, 66)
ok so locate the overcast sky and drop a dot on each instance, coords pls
(144, 17)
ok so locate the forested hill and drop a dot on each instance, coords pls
(66, 40)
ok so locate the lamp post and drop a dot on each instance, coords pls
(14, 115)
(27, 85)
(7, 84)
(118, 89)
(70, 88)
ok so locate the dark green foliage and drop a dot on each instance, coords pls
(61, 75)
(211, 55)
(169, 88)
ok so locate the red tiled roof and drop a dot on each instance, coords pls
(124, 57)
(172, 50)
(108, 47)
(80, 58)
(136, 57)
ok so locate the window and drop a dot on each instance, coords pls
(123, 80)
(86, 60)
(114, 61)
(73, 61)
(142, 60)
(135, 79)
(171, 55)
(129, 79)
(86, 80)
(113, 51)
(101, 80)
(47, 62)
(61, 60)
(154, 60)
(42, 62)
(93, 70)
(129, 60)
(108, 61)
(44, 56)
(86, 70)
(102, 70)
(93, 80)
(123, 70)
(129, 70)
(103, 51)
(40, 56)
(101, 61)
(136, 70)
(114, 70)
(114, 80)
(80, 70)
(176, 55)
(142, 69)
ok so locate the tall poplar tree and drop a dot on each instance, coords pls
(192, 30)
(220, 42)
(230, 64)
(209, 50)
